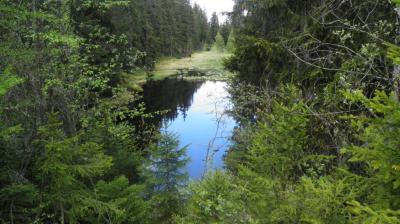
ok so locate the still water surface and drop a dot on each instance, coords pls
(197, 113)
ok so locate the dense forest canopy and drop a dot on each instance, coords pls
(68, 153)
(315, 94)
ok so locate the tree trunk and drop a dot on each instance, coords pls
(396, 69)
(11, 212)
(62, 213)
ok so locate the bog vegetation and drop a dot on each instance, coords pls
(315, 93)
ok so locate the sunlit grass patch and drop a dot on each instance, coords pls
(208, 62)
(204, 61)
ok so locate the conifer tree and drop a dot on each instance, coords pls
(214, 28)
(230, 45)
(225, 30)
(168, 177)
(65, 167)
(378, 151)
(219, 44)
(215, 199)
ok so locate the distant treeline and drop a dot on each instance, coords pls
(154, 28)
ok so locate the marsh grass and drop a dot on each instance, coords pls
(204, 61)
(210, 62)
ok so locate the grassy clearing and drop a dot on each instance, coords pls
(207, 61)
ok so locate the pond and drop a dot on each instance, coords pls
(197, 114)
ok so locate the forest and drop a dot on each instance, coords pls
(314, 92)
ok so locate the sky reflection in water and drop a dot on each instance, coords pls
(203, 126)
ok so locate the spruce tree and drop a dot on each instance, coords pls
(168, 177)
(230, 45)
(215, 199)
(219, 44)
(214, 28)
(225, 30)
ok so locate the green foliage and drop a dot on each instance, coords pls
(297, 157)
(121, 202)
(317, 201)
(219, 44)
(167, 177)
(20, 200)
(230, 45)
(225, 30)
(216, 199)
(65, 166)
(279, 145)
(394, 53)
(277, 156)
(364, 214)
(7, 81)
(63, 127)
(303, 151)
(214, 28)
(254, 57)
(378, 151)
(293, 43)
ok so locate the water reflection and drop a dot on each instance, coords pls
(174, 95)
(197, 116)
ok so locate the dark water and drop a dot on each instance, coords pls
(196, 112)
